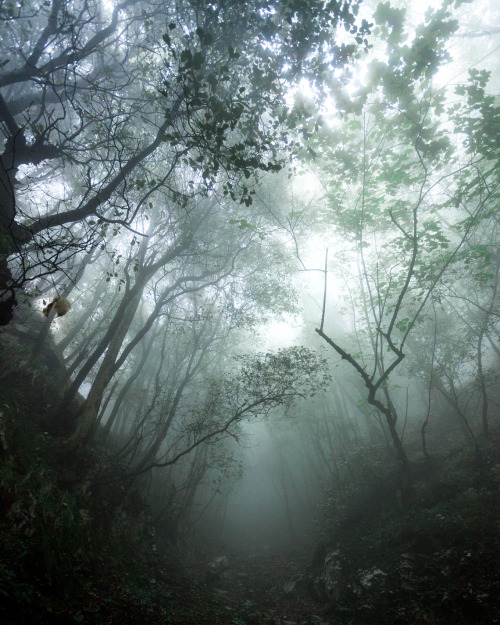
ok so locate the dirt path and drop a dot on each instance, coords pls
(261, 587)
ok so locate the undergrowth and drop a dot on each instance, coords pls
(70, 550)
(426, 551)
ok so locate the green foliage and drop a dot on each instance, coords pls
(282, 377)
(244, 224)
(234, 97)
(478, 116)
(265, 384)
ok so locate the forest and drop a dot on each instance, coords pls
(249, 312)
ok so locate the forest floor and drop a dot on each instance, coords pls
(436, 564)
(443, 584)
(257, 589)
(264, 585)
(431, 559)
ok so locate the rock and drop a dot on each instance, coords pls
(217, 568)
(337, 581)
(327, 585)
(219, 564)
(332, 574)
(289, 587)
(371, 576)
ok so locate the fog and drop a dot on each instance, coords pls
(249, 304)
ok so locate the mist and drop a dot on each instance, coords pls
(249, 312)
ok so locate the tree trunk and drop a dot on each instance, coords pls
(105, 373)
(482, 384)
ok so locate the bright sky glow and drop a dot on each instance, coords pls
(108, 6)
(280, 333)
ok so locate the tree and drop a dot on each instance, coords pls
(404, 197)
(79, 163)
(264, 383)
